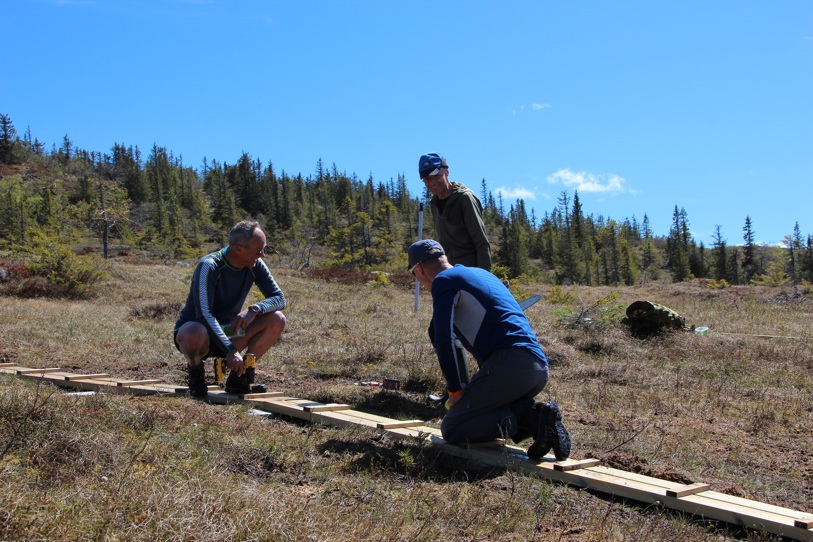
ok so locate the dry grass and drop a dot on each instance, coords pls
(731, 409)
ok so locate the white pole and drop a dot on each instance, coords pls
(420, 236)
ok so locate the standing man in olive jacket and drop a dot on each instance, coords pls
(457, 213)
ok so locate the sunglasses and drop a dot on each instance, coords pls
(260, 252)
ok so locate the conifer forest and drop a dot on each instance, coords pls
(126, 201)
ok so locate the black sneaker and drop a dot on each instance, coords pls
(197, 381)
(238, 384)
(551, 434)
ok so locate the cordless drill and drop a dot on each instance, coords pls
(249, 362)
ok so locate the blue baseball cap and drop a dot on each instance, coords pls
(423, 251)
(431, 164)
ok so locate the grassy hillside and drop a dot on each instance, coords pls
(733, 409)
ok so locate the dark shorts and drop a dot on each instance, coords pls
(214, 351)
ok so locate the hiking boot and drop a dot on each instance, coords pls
(551, 433)
(556, 431)
(238, 384)
(197, 381)
(542, 443)
(527, 419)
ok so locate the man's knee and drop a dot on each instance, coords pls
(450, 430)
(275, 320)
(192, 339)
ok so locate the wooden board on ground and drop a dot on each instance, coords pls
(127, 383)
(87, 377)
(696, 499)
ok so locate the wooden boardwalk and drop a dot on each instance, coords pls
(696, 499)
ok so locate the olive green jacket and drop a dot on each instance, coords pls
(460, 229)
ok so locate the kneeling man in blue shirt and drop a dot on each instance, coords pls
(473, 306)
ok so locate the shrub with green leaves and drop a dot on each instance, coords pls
(55, 271)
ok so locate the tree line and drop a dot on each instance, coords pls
(328, 218)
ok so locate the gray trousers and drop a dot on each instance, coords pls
(502, 388)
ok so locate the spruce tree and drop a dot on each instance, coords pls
(8, 140)
(748, 258)
(807, 262)
(679, 246)
(720, 256)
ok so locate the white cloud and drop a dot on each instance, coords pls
(515, 193)
(532, 107)
(590, 182)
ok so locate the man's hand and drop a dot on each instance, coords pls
(243, 319)
(235, 362)
(453, 399)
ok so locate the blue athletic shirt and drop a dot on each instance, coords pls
(219, 290)
(474, 306)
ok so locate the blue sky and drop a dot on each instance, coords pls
(638, 105)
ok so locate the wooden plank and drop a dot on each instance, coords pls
(101, 385)
(287, 406)
(326, 408)
(690, 489)
(341, 418)
(724, 500)
(412, 433)
(87, 377)
(220, 393)
(657, 485)
(737, 506)
(571, 464)
(251, 396)
(55, 376)
(8, 365)
(24, 372)
(147, 388)
(747, 513)
(804, 523)
(67, 380)
(101, 381)
(400, 424)
(127, 383)
(365, 417)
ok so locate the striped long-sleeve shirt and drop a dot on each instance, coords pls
(219, 291)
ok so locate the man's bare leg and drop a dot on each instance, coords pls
(260, 336)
